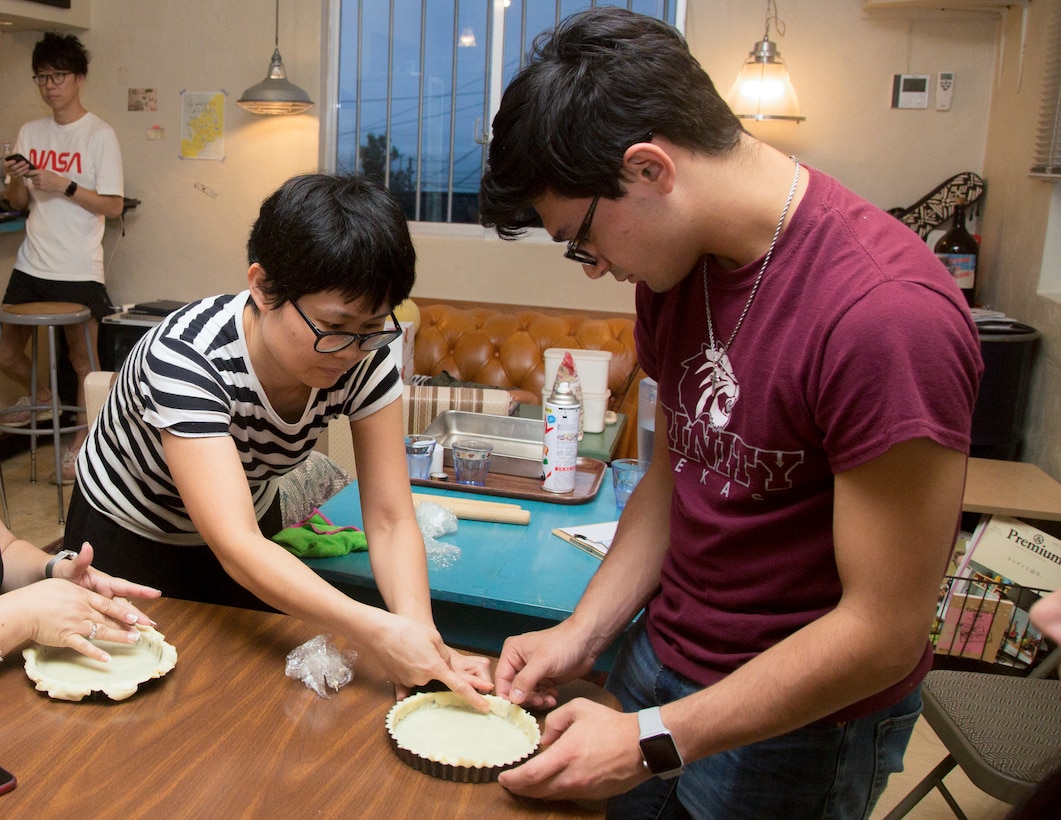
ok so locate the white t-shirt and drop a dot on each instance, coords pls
(63, 240)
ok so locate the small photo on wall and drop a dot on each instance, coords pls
(143, 99)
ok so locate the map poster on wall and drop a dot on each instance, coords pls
(203, 125)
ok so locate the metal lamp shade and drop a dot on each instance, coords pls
(275, 94)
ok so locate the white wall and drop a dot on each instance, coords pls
(182, 244)
(842, 65)
(1016, 217)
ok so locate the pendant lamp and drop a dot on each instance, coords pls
(763, 89)
(276, 94)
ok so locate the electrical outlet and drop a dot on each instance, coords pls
(206, 189)
(944, 90)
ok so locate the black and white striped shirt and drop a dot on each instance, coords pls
(192, 376)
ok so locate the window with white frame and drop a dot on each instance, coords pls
(419, 82)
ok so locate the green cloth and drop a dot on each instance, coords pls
(317, 537)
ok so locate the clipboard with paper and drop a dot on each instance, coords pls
(595, 539)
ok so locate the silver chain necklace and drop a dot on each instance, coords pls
(717, 352)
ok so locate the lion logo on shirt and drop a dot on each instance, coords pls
(718, 386)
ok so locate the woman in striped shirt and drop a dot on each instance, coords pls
(177, 481)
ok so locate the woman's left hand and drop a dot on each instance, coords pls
(81, 572)
(473, 668)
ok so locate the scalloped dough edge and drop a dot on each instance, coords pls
(67, 675)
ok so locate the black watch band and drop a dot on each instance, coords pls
(71, 189)
(61, 555)
(660, 754)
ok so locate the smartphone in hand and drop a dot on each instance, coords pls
(7, 781)
(20, 158)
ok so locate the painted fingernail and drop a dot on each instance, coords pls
(132, 637)
(106, 656)
(131, 617)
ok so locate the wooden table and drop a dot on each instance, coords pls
(1013, 488)
(227, 734)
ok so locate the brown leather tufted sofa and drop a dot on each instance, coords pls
(504, 345)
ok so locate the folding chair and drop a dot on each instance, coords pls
(1004, 732)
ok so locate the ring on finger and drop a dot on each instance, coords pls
(92, 633)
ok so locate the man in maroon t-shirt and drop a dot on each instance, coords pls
(817, 370)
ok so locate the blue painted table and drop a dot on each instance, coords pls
(509, 578)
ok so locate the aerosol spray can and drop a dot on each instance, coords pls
(560, 445)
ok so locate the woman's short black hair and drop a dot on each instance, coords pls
(61, 52)
(334, 232)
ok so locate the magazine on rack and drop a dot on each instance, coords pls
(1007, 560)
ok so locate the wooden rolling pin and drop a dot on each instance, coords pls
(472, 509)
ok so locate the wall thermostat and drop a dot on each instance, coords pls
(910, 91)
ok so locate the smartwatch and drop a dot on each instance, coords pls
(61, 555)
(661, 756)
(71, 189)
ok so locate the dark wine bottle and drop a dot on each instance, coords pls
(959, 253)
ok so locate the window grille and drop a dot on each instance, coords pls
(1047, 163)
(419, 82)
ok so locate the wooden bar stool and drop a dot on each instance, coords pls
(51, 315)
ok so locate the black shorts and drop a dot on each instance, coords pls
(24, 288)
(191, 572)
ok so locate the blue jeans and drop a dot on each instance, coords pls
(833, 771)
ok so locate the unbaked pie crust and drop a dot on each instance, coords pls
(68, 675)
(440, 734)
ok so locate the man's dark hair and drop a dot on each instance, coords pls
(603, 80)
(321, 232)
(61, 52)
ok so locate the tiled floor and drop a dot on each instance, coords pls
(922, 755)
(34, 509)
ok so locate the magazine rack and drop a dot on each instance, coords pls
(983, 624)
(1002, 725)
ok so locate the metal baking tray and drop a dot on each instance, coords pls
(517, 442)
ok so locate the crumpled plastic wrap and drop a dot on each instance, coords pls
(318, 663)
(435, 520)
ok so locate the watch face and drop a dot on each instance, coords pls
(660, 753)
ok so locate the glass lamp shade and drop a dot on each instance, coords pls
(275, 94)
(763, 89)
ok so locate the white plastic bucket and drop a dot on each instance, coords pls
(591, 366)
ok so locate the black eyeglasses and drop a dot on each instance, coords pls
(56, 78)
(573, 253)
(341, 339)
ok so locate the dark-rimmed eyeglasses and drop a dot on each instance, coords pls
(55, 78)
(573, 252)
(332, 341)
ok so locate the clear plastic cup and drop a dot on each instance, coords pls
(471, 461)
(418, 452)
(626, 473)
